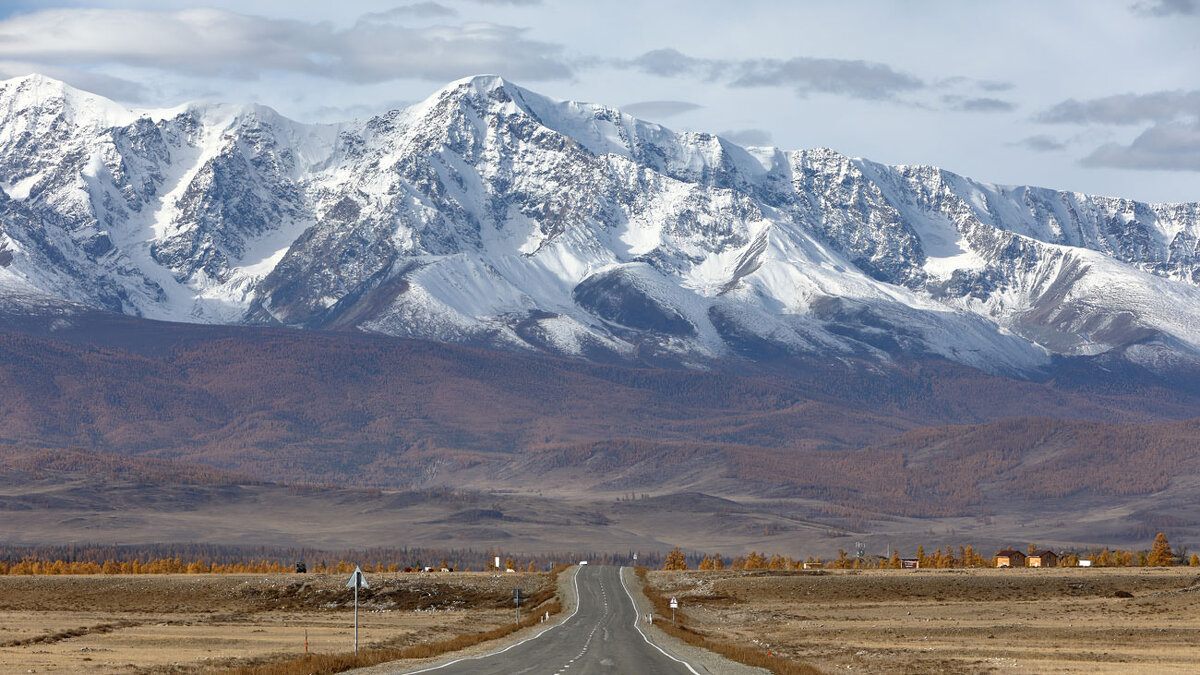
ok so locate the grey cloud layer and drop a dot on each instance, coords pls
(1172, 141)
(1125, 108)
(214, 42)
(859, 79)
(856, 79)
(748, 136)
(419, 10)
(1167, 7)
(659, 109)
(981, 105)
(1042, 143)
(1173, 146)
(413, 40)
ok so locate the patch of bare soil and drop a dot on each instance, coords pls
(195, 623)
(1072, 620)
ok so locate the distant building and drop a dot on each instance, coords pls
(1085, 563)
(1009, 558)
(813, 565)
(1042, 559)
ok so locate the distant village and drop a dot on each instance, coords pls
(1159, 554)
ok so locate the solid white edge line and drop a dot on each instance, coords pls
(518, 644)
(636, 616)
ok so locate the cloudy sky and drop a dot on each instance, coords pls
(1095, 96)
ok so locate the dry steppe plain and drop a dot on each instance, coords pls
(205, 623)
(1061, 620)
(1065, 620)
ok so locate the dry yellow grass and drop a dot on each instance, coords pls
(321, 664)
(953, 621)
(194, 623)
(682, 627)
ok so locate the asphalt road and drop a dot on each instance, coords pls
(599, 638)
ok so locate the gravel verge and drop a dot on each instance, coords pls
(567, 597)
(702, 660)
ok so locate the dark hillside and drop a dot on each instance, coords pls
(923, 438)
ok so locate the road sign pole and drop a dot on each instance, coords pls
(357, 579)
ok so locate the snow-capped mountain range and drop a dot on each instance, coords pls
(490, 214)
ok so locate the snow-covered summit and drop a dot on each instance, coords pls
(489, 213)
(43, 95)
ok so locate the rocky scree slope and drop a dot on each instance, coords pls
(489, 214)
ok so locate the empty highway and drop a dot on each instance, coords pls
(599, 637)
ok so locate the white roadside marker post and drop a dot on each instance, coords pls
(674, 606)
(356, 580)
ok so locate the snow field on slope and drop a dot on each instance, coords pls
(690, 209)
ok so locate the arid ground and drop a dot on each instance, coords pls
(1066, 620)
(193, 623)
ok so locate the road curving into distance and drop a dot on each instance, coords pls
(602, 636)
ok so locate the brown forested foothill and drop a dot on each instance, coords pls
(227, 404)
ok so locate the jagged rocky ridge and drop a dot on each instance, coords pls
(490, 214)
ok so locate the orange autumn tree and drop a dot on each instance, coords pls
(1160, 553)
(675, 560)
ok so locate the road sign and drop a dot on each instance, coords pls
(674, 603)
(357, 581)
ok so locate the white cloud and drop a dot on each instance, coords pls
(311, 59)
(216, 42)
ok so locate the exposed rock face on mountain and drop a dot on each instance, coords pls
(489, 214)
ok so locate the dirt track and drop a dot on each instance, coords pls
(956, 621)
(186, 623)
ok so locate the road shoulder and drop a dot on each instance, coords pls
(567, 597)
(701, 659)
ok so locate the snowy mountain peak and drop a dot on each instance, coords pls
(483, 84)
(48, 97)
(492, 214)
